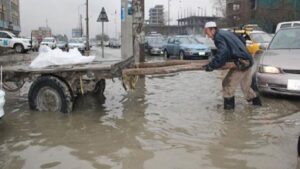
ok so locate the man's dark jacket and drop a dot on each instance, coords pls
(230, 48)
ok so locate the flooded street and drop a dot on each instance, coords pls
(167, 122)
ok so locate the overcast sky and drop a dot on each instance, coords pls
(63, 15)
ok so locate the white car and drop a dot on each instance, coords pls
(9, 40)
(77, 43)
(287, 25)
(50, 42)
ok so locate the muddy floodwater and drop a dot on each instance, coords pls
(167, 122)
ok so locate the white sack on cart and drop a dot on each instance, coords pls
(49, 57)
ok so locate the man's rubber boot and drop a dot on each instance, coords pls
(229, 103)
(256, 101)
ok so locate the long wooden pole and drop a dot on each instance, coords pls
(169, 67)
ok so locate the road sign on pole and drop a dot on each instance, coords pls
(102, 18)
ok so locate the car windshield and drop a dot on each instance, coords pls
(187, 40)
(75, 41)
(48, 40)
(286, 39)
(11, 34)
(155, 40)
(261, 37)
(61, 42)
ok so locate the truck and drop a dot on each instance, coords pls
(11, 41)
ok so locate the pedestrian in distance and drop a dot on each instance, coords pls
(231, 48)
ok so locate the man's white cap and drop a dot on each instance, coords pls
(210, 25)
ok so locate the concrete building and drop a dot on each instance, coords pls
(10, 16)
(194, 24)
(77, 33)
(41, 33)
(265, 13)
(156, 15)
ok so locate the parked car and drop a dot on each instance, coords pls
(154, 45)
(287, 25)
(77, 43)
(9, 40)
(185, 47)
(63, 45)
(114, 43)
(106, 43)
(279, 67)
(50, 42)
(208, 42)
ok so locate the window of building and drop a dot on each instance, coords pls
(253, 4)
(236, 18)
(236, 7)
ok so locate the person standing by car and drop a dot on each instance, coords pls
(231, 48)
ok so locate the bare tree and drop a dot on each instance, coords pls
(220, 6)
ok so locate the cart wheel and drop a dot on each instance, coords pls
(100, 87)
(48, 93)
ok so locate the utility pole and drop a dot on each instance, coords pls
(80, 25)
(87, 26)
(169, 12)
(138, 30)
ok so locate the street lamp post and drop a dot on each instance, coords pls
(169, 12)
(87, 26)
(80, 20)
(199, 11)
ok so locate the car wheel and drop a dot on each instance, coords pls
(19, 48)
(254, 83)
(181, 55)
(166, 54)
(149, 52)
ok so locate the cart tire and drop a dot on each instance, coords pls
(48, 93)
(100, 87)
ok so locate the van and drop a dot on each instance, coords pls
(287, 25)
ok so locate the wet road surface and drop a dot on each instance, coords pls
(167, 122)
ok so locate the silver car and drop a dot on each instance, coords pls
(279, 67)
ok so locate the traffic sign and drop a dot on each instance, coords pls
(103, 16)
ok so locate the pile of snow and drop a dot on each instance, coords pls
(49, 57)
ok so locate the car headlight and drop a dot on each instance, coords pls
(269, 69)
(263, 46)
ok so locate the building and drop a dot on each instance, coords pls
(162, 29)
(77, 33)
(10, 16)
(194, 24)
(265, 13)
(156, 15)
(41, 33)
